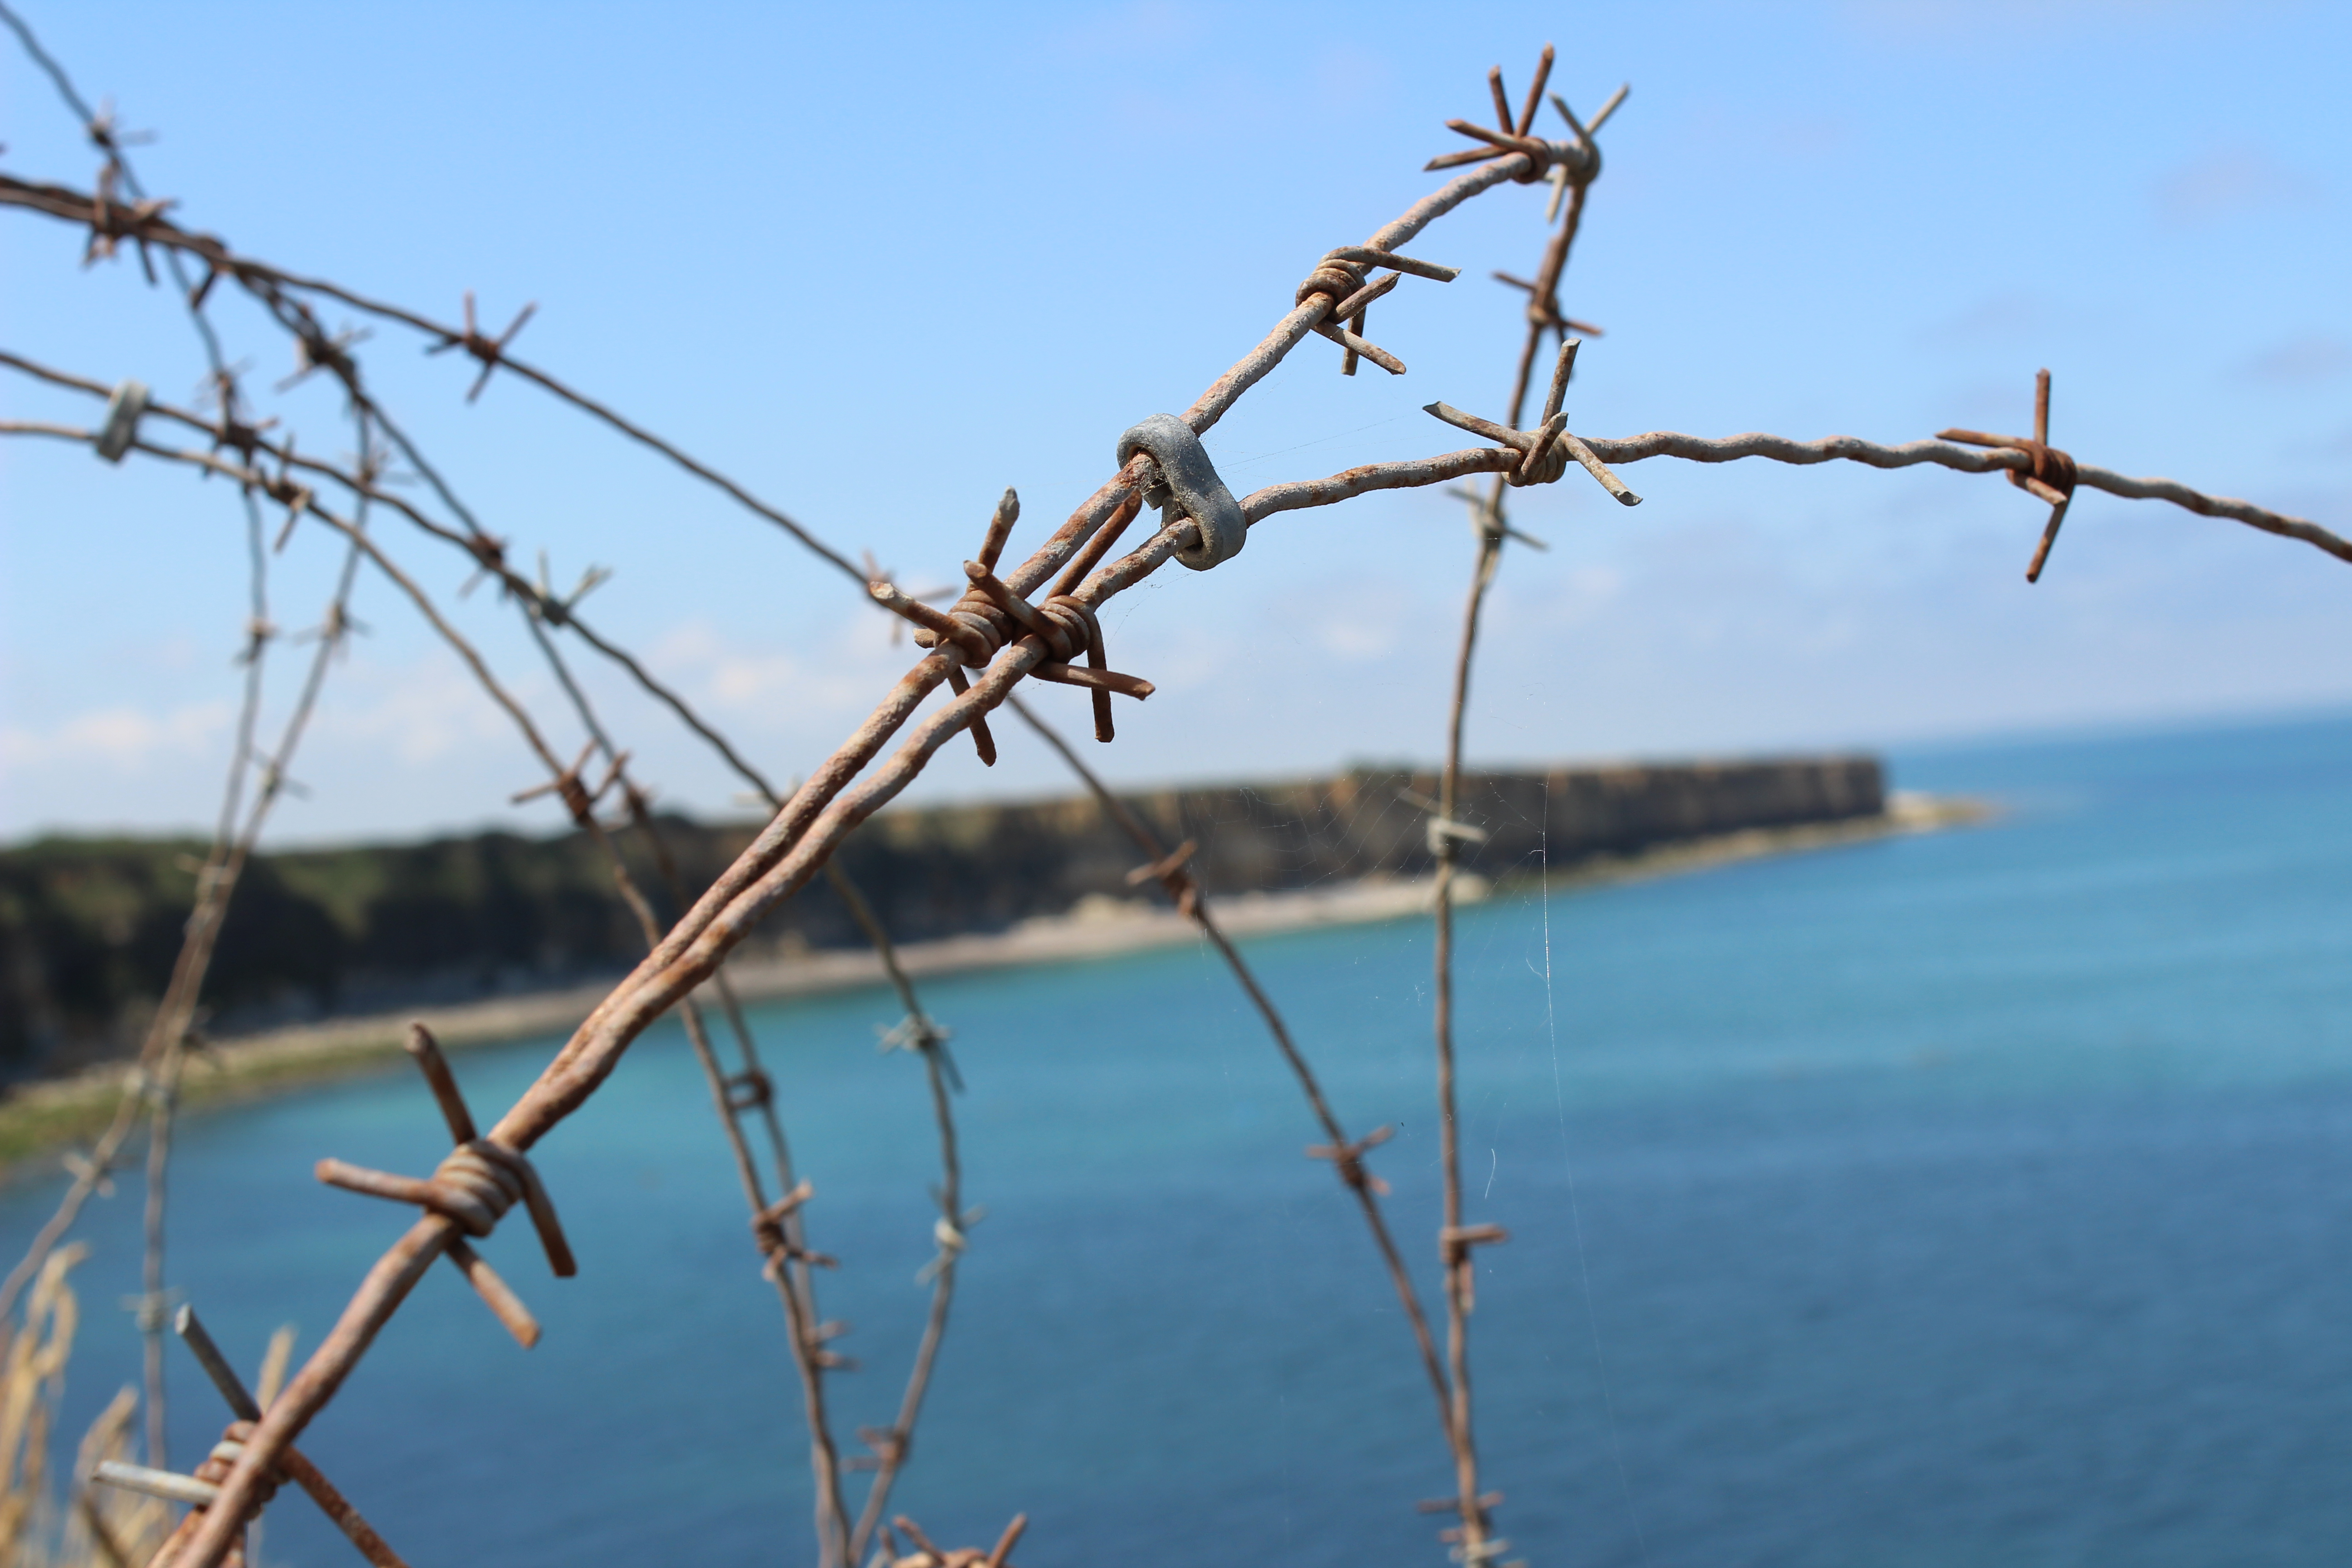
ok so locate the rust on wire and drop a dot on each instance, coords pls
(201, 1489)
(490, 351)
(1038, 618)
(473, 1187)
(2051, 474)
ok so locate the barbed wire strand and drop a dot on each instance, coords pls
(781, 859)
(265, 280)
(490, 555)
(176, 1012)
(818, 813)
(789, 1265)
(538, 608)
(892, 1445)
(806, 1334)
(808, 825)
(160, 1081)
(791, 1270)
(1544, 316)
(1475, 1542)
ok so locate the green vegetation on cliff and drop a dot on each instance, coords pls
(89, 928)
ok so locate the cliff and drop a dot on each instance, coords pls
(89, 927)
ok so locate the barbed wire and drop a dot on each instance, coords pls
(541, 607)
(145, 226)
(159, 1078)
(813, 819)
(327, 354)
(153, 1080)
(576, 1070)
(735, 1093)
(776, 1231)
(997, 634)
(1475, 1543)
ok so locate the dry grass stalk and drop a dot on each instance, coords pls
(99, 1529)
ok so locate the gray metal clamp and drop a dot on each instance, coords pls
(1189, 488)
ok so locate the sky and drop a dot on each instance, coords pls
(877, 263)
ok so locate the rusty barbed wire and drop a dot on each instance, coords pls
(807, 1334)
(153, 1079)
(575, 1071)
(1543, 456)
(200, 1489)
(157, 1078)
(330, 355)
(816, 816)
(541, 608)
(146, 225)
(1004, 631)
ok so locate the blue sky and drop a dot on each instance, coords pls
(880, 262)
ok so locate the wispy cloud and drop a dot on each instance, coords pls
(2299, 361)
(432, 713)
(122, 739)
(760, 679)
(2231, 183)
(2007, 316)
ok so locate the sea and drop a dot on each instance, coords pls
(1976, 1197)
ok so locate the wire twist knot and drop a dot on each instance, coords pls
(224, 1457)
(2050, 476)
(1070, 627)
(976, 630)
(476, 1183)
(751, 1090)
(1544, 452)
(1348, 1159)
(203, 1488)
(1173, 871)
(570, 788)
(991, 613)
(1339, 280)
(473, 1187)
(2051, 466)
(490, 351)
(1331, 277)
(774, 1237)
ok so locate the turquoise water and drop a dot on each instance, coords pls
(1977, 1198)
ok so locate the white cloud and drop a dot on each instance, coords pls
(1363, 623)
(418, 714)
(122, 739)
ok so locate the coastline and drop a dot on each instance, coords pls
(41, 1117)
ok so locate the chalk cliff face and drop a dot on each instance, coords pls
(89, 928)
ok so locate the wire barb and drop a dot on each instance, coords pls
(202, 1490)
(472, 1188)
(2050, 476)
(490, 351)
(1339, 279)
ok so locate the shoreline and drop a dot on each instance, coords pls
(43, 1116)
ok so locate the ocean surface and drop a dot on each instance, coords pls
(1977, 1199)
